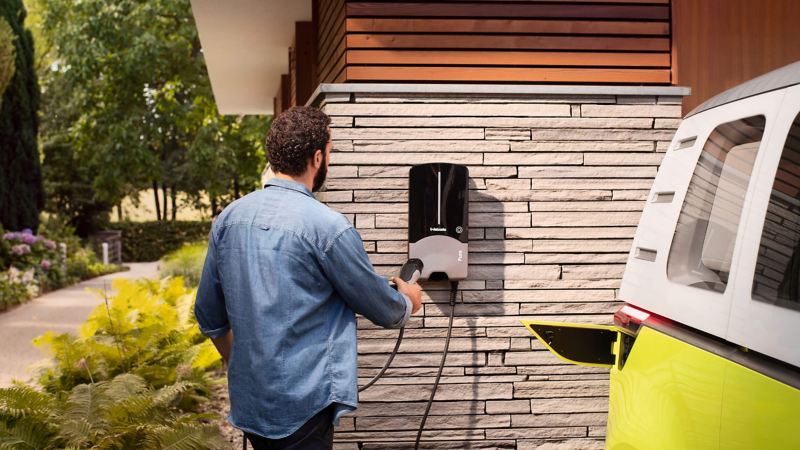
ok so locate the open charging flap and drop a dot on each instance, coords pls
(582, 344)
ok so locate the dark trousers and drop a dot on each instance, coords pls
(316, 434)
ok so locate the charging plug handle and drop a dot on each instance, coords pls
(411, 270)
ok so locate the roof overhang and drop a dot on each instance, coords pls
(245, 45)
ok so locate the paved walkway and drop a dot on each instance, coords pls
(61, 311)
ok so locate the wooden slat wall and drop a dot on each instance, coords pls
(331, 39)
(555, 41)
(305, 61)
(721, 43)
(292, 76)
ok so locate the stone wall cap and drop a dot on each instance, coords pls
(494, 89)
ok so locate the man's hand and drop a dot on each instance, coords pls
(413, 291)
(224, 345)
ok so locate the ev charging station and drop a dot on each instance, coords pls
(438, 207)
(438, 244)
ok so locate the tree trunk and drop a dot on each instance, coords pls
(213, 207)
(174, 196)
(119, 211)
(235, 188)
(164, 196)
(155, 195)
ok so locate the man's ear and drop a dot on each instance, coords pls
(318, 157)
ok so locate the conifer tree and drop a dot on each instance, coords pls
(21, 193)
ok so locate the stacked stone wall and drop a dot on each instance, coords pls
(558, 183)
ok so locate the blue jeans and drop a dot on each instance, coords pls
(316, 434)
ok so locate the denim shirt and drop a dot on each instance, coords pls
(287, 274)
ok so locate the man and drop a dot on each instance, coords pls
(282, 281)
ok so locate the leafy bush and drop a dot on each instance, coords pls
(29, 264)
(83, 264)
(186, 262)
(58, 229)
(147, 329)
(17, 286)
(123, 412)
(131, 379)
(149, 241)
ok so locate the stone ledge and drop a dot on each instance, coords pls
(492, 89)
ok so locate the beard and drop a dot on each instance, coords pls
(321, 175)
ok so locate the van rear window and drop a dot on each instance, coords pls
(702, 246)
(777, 277)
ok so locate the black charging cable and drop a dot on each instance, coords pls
(388, 361)
(453, 293)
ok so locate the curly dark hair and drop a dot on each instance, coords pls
(294, 137)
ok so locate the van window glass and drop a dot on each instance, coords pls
(777, 277)
(702, 246)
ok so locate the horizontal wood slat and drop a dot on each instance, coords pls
(331, 40)
(558, 41)
(509, 58)
(506, 26)
(506, 42)
(506, 74)
(511, 10)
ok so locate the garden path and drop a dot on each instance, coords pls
(61, 311)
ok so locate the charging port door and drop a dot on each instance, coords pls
(581, 344)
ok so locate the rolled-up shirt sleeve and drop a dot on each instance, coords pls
(209, 306)
(349, 269)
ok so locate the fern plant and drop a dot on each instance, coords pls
(147, 329)
(121, 413)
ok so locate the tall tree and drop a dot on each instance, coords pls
(137, 85)
(7, 56)
(21, 194)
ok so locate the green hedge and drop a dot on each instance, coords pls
(149, 241)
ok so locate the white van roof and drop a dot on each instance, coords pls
(777, 79)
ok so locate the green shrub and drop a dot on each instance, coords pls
(147, 329)
(29, 265)
(58, 229)
(83, 264)
(123, 412)
(149, 241)
(16, 287)
(186, 262)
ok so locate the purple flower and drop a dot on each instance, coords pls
(29, 238)
(9, 236)
(45, 265)
(50, 245)
(21, 249)
(27, 231)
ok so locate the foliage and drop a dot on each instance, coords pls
(68, 180)
(186, 262)
(16, 286)
(29, 264)
(21, 195)
(7, 55)
(130, 101)
(147, 329)
(149, 241)
(122, 412)
(83, 264)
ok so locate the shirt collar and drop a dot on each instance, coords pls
(289, 184)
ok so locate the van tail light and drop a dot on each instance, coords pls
(630, 317)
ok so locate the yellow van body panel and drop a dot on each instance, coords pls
(758, 412)
(668, 396)
(674, 395)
